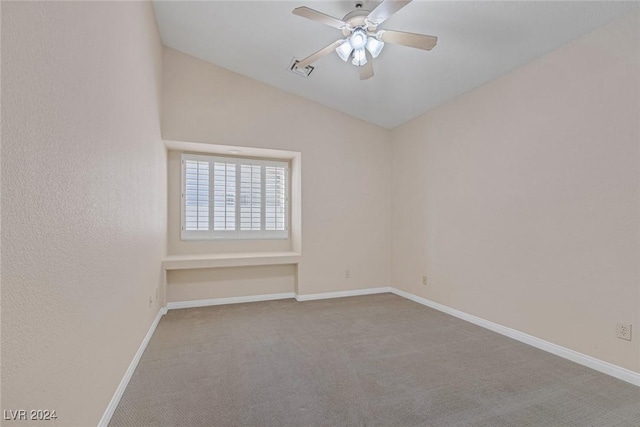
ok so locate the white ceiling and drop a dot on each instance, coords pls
(478, 41)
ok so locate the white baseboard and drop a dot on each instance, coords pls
(231, 300)
(580, 358)
(111, 408)
(353, 293)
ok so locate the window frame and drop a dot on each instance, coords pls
(211, 234)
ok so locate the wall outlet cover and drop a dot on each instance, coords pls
(623, 331)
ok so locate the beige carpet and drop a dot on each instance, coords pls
(377, 360)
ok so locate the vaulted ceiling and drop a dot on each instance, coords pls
(478, 41)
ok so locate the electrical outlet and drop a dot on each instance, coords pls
(347, 274)
(424, 280)
(623, 331)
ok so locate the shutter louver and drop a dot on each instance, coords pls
(196, 195)
(275, 198)
(224, 196)
(250, 197)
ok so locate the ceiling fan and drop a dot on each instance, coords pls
(363, 42)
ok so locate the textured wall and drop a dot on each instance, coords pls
(84, 195)
(520, 200)
(345, 167)
(206, 283)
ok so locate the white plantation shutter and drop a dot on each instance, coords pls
(275, 197)
(196, 195)
(250, 197)
(234, 198)
(224, 196)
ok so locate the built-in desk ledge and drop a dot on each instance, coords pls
(186, 262)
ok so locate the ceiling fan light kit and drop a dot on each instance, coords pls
(362, 43)
(356, 44)
(374, 46)
(344, 50)
(359, 57)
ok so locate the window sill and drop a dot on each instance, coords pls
(186, 262)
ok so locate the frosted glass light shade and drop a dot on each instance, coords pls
(359, 57)
(358, 38)
(374, 46)
(344, 50)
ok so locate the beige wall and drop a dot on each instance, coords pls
(520, 200)
(345, 167)
(207, 283)
(84, 201)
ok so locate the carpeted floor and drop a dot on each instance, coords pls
(377, 360)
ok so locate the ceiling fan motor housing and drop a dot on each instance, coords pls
(356, 19)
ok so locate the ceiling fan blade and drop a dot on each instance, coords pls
(366, 71)
(320, 17)
(419, 41)
(385, 10)
(319, 54)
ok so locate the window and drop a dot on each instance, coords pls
(234, 198)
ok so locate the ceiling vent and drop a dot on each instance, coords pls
(304, 72)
